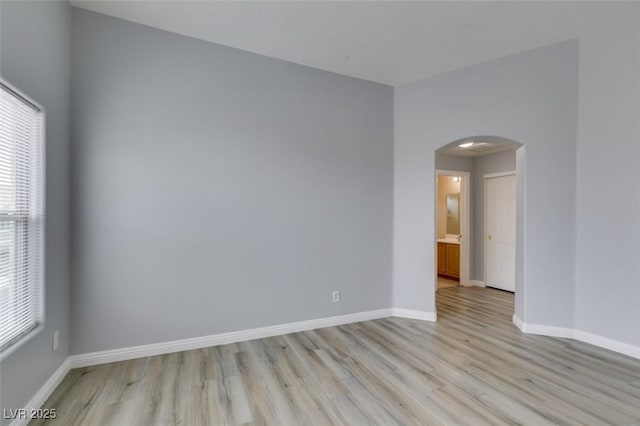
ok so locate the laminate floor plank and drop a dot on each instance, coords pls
(472, 367)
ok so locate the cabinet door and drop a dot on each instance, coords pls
(452, 266)
(441, 258)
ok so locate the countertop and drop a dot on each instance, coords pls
(448, 241)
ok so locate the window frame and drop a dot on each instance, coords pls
(39, 285)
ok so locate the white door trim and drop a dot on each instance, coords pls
(484, 232)
(499, 174)
(465, 225)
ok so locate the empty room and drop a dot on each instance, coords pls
(319, 212)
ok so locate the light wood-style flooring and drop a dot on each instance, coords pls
(471, 367)
(447, 282)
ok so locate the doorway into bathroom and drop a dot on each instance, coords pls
(452, 225)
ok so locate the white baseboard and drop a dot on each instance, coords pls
(45, 392)
(542, 330)
(605, 342)
(583, 336)
(546, 330)
(123, 354)
(476, 283)
(518, 322)
(412, 314)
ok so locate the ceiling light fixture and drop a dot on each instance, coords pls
(466, 145)
(456, 178)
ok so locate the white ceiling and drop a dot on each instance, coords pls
(482, 145)
(390, 42)
(478, 149)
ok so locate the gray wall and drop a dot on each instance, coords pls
(217, 190)
(492, 163)
(34, 46)
(454, 162)
(531, 98)
(608, 220)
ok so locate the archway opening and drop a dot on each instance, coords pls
(479, 219)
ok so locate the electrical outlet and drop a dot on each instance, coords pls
(56, 340)
(335, 296)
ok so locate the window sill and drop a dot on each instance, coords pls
(30, 335)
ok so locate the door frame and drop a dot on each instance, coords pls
(465, 225)
(484, 233)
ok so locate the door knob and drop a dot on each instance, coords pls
(489, 237)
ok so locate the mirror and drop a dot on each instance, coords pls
(453, 213)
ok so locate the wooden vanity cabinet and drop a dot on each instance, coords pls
(449, 260)
(441, 258)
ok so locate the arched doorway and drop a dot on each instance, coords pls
(487, 227)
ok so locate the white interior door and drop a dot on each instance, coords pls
(500, 216)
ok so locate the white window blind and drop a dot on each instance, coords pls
(21, 216)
